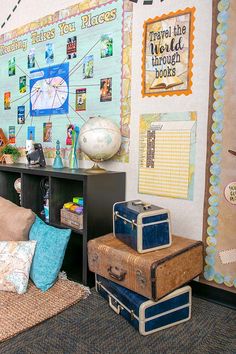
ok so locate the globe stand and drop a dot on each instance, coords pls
(96, 169)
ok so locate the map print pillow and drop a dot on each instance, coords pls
(15, 262)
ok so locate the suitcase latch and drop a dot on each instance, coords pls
(133, 224)
(99, 285)
(141, 278)
(116, 215)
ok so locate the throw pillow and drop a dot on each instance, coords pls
(49, 253)
(15, 221)
(15, 261)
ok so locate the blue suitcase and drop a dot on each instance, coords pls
(142, 226)
(143, 314)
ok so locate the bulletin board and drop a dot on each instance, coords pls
(64, 68)
(220, 200)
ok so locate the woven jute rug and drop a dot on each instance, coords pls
(21, 312)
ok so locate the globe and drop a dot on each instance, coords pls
(17, 185)
(99, 139)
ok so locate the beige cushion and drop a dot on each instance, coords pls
(15, 221)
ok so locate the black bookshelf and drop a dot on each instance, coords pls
(100, 191)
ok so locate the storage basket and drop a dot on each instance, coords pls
(71, 219)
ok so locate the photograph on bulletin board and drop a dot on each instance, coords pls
(12, 135)
(21, 114)
(7, 100)
(168, 54)
(67, 67)
(31, 133)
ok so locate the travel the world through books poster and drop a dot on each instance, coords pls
(168, 53)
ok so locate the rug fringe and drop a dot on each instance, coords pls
(86, 290)
(62, 275)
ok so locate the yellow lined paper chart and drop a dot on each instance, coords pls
(167, 150)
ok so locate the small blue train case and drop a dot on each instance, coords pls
(142, 226)
(143, 314)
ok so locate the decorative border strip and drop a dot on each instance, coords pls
(51, 19)
(218, 117)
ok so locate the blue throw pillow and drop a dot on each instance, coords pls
(49, 253)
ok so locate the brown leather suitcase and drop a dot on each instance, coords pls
(153, 274)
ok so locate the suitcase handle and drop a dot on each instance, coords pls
(145, 206)
(119, 277)
(114, 308)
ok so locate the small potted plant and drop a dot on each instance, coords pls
(10, 154)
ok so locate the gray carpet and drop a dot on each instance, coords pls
(92, 327)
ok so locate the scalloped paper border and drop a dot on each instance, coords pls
(187, 91)
(210, 274)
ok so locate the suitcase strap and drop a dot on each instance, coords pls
(134, 224)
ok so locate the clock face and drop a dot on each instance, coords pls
(49, 91)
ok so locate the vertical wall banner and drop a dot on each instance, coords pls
(167, 154)
(168, 54)
(220, 200)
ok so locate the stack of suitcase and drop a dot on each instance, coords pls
(141, 267)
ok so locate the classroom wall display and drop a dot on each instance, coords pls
(67, 67)
(167, 154)
(220, 199)
(168, 54)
